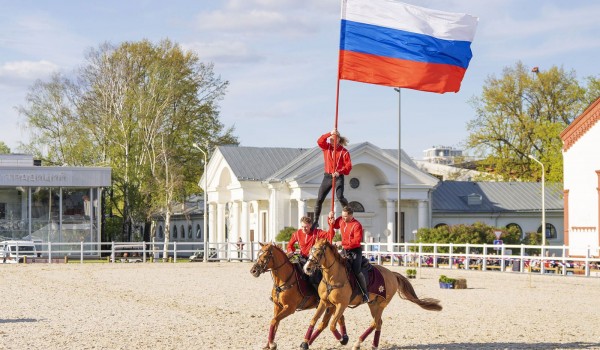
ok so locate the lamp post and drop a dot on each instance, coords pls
(543, 201)
(206, 250)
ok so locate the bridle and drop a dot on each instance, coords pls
(321, 252)
(262, 265)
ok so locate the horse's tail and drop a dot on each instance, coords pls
(406, 291)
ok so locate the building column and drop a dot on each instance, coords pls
(301, 209)
(211, 225)
(220, 221)
(273, 213)
(234, 214)
(244, 222)
(422, 212)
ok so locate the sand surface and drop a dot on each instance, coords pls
(222, 306)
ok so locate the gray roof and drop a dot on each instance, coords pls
(258, 163)
(452, 196)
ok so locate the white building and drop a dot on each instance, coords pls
(50, 204)
(581, 145)
(255, 192)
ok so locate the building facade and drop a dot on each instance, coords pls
(581, 164)
(50, 204)
(253, 193)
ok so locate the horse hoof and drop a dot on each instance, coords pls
(304, 346)
(356, 346)
(344, 340)
(273, 346)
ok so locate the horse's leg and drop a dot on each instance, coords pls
(322, 325)
(309, 332)
(342, 324)
(279, 313)
(338, 314)
(377, 312)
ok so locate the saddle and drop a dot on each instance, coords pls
(373, 278)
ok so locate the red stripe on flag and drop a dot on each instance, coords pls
(395, 72)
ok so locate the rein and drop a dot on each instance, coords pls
(330, 287)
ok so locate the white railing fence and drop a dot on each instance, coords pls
(484, 257)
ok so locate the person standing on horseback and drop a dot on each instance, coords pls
(352, 235)
(334, 168)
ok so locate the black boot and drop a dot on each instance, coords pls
(363, 287)
(314, 226)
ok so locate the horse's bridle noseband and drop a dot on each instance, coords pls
(263, 267)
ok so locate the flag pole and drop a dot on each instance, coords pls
(399, 219)
(337, 108)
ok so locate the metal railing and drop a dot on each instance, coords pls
(484, 257)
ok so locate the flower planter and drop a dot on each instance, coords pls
(444, 285)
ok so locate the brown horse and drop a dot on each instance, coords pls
(335, 291)
(286, 294)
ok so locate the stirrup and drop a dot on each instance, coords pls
(365, 298)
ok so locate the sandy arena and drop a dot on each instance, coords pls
(221, 306)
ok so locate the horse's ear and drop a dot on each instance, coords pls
(261, 244)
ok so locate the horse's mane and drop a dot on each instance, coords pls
(335, 252)
(281, 251)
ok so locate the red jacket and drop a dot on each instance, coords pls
(306, 241)
(352, 232)
(343, 164)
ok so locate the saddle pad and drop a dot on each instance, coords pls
(376, 284)
(306, 289)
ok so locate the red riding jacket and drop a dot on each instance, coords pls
(343, 164)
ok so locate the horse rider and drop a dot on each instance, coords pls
(334, 168)
(352, 235)
(306, 237)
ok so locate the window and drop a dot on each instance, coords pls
(357, 207)
(2, 210)
(198, 231)
(182, 232)
(190, 232)
(354, 182)
(550, 230)
(516, 227)
(160, 232)
(174, 232)
(441, 225)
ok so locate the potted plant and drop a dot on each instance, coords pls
(411, 273)
(446, 282)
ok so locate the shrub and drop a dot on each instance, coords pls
(285, 234)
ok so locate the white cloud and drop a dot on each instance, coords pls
(25, 72)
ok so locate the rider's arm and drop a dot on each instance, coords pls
(290, 247)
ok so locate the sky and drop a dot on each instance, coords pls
(280, 59)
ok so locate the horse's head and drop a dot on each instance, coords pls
(265, 260)
(317, 254)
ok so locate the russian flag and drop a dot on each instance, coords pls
(390, 43)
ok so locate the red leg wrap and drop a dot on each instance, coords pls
(343, 329)
(376, 339)
(366, 334)
(308, 333)
(337, 334)
(271, 334)
(314, 336)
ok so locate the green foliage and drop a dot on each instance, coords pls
(411, 272)
(113, 229)
(477, 233)
(4, 149)
(285, 234)
(137, 108)
(446, 279)
(523, 113)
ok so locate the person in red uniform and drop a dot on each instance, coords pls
(306, 238)
(338, 167)
(352, 236)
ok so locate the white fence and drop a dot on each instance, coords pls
(484, 257)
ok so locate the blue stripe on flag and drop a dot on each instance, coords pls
(387, 42)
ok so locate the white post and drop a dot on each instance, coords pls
(543, 200)
(204, 213)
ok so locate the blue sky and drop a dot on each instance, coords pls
(280, 57)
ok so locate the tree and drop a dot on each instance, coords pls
(136, 107)
(4, 149)
(522, 113)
